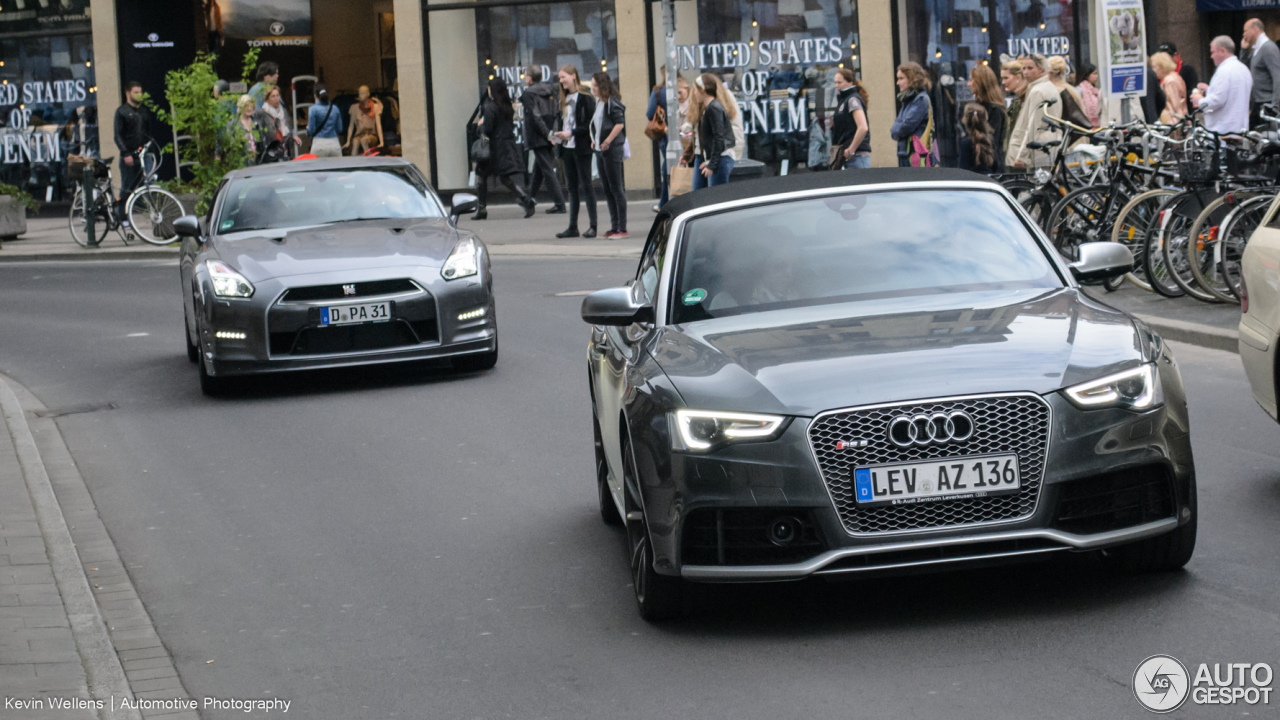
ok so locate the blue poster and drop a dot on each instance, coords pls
(1128, 79)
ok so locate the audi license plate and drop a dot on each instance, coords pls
(348, 314)
(937, 480)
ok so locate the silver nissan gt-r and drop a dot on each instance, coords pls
(335, 262)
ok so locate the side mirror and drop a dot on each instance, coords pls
(187, 226)
(1101, 261)
(463, 204)
(615, 306)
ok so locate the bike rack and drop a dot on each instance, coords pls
(177, 157)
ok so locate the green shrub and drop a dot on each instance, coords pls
(21, 196)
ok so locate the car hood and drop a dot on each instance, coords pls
(360, 245)
(803, 361)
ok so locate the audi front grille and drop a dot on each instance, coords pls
(1017, 423)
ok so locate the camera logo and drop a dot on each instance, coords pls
(1161, 683)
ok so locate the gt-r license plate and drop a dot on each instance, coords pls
(349, 314)
(937, 480)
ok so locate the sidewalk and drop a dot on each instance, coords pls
(75, 641)
(1184, 319)
(506, 232)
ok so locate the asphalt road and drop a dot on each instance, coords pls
(420, 544)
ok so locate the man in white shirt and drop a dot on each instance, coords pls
(1225, 100)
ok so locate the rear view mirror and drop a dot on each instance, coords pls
(1101, 261)
(615, 306)
(187, 226)
(463, 204)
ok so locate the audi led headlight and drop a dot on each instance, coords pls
(464, 261)
(699, 430)
(1136, 389)
(227, 283)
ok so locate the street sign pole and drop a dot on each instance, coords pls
(90, 205)
(673, 102)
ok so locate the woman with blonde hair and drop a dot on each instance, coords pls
(573, 135)
(708, 87)
(1072, 106)
(1014, 83)
(1175, 90)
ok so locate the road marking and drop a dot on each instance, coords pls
(137, 335)
(574, 293)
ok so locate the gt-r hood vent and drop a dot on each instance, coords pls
(357, 245)
(806, 360)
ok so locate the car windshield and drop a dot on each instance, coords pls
(854, 247)
(315, 198)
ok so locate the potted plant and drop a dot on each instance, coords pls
(14, 204)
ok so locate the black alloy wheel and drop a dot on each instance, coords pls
(608, 508)
(658, 597)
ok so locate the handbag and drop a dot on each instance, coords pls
(480, 150)
(837, 160)
(626, 149)
(657, 127)
(681, 181)
(924, 151)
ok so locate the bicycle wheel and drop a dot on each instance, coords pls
(1203, 257)
(1235, 233)
(1152, 255)
(151, 212)
(1039, 204)
(1133, 222)
(1080, 217)
(76, 220)
(1180, 248)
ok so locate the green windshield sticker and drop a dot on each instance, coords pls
(695, 296)
(227, 223)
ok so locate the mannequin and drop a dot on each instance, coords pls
(365, 129)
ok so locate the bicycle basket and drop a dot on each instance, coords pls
(76, 165)
(1196, 164)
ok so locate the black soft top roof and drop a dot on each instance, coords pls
(813, 181)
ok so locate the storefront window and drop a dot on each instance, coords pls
(468, 47)
(779, 59)
(48, 106)
(950, 37)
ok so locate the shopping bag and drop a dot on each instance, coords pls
(681, 181)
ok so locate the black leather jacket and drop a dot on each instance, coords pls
(715, 134)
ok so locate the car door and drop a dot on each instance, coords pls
(615, 350)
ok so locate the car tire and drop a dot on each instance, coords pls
(477, 361)
(193, 349)
(658, 597)
(608, 508)
(1170, 551)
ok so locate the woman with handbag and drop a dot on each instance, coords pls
(913, 128)
(573, 135)
(609, 138)
(850, 133)
(324, 124)
(495, 151)
(715, 132)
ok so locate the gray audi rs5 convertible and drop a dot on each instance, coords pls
(328, 263)
(877, 371)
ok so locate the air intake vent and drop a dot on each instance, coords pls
(339, 292)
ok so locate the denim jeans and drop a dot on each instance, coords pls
(699, 181)
(858, 162)
(723, 170)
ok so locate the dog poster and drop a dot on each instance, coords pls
(1124, 32)
(1124, 55)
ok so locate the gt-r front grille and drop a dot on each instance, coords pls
(1002, 424)
(349, 291)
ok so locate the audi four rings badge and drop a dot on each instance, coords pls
(908, 430)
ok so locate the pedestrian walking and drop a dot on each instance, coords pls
(977, 150)
(324, 125)
(715, 132)
(541, 115)
(1071, 105)
(497, 123)
(268, 76)
(1088, 88)
(609, 139)
(1175, 92)
(1264, 65)
(131, 132)
(913, 128)
(1016, 86)
(850, 132)
(987, 93)
(1041, 96)
(573, 135)
(274, 114)
(1190, 78)
(1225, 100)
(247, 126)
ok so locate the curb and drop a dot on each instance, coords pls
(105, 674)
(91, 255)
(1206, 336)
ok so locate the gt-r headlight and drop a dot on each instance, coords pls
(700, 430)
(1136, 389)
(464, 261)
(227, 283)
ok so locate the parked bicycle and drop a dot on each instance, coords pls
(148, 214)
